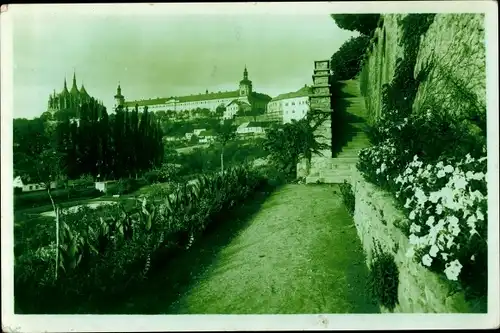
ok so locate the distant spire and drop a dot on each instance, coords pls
(245, 73)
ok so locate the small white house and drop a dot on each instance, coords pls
(250, 128)
(104, 185)
(195, 132)
(18, 183)
(234, 107)
(207, 136)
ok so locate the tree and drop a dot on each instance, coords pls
(288, 143)
(362, 23)
(225, 132)
(219, 111)
(194, 140)
(346, 62)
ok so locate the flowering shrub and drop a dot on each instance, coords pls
(445, 198)
(446, 204)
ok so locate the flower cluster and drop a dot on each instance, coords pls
(446, 205)
(379, 163)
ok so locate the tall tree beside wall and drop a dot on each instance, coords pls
(346, 62)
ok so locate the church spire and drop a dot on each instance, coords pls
(245, 73)
(74, 88)
(65, 89)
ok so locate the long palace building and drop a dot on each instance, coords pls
(244, 95)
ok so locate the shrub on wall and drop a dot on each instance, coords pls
(346, 62)
(383, 280)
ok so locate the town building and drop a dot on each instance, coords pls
(290, 106)
(24, 186)
(253, 128)
(207, 100)
(234, 107)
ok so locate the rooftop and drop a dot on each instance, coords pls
(302, 92)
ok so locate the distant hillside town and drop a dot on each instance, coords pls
(241, 103)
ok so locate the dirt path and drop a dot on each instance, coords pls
(298, 254)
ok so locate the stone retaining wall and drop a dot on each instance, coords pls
(420, 290)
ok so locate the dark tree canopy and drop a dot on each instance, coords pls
(363, 23)
(346, 62)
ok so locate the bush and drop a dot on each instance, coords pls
(348, 197)
(383, 280)
(346, 62)
(363, 23)
(152, 177)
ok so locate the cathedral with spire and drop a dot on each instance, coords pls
(68, 99)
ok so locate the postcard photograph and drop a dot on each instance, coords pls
(327, 162)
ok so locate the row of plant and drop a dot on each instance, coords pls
(106, 250)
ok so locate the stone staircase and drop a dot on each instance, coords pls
(340, 167)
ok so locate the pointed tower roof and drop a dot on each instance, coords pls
(74, 88)
(65, 89)
(83, 91)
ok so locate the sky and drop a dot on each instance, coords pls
(157, 53)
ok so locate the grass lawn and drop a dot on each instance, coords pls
(295, 251)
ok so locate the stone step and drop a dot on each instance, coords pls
(353, 154)
(336, 179)
(345, 160)
(335, 173)
(342, 166)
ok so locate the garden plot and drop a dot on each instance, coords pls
(74, 209)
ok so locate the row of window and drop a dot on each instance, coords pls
(293, 111)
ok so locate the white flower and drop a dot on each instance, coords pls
(420, 195)
(473, 258)
(430, 221)
(434, 196)
(439, 209)
(408, 202)
(452, 270)
(427, 260)
(413, 239)
(433, 251)
(415, 158)
(440, 165)
(460, 183)
(441, 174)
(479, 215)
(471, 221)
(469, 175)
(383, 167)
(414, 228)
(411, 178)
(377, 171)
(444, 255)
(399, 179)
(448, 169)
(412, 215)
